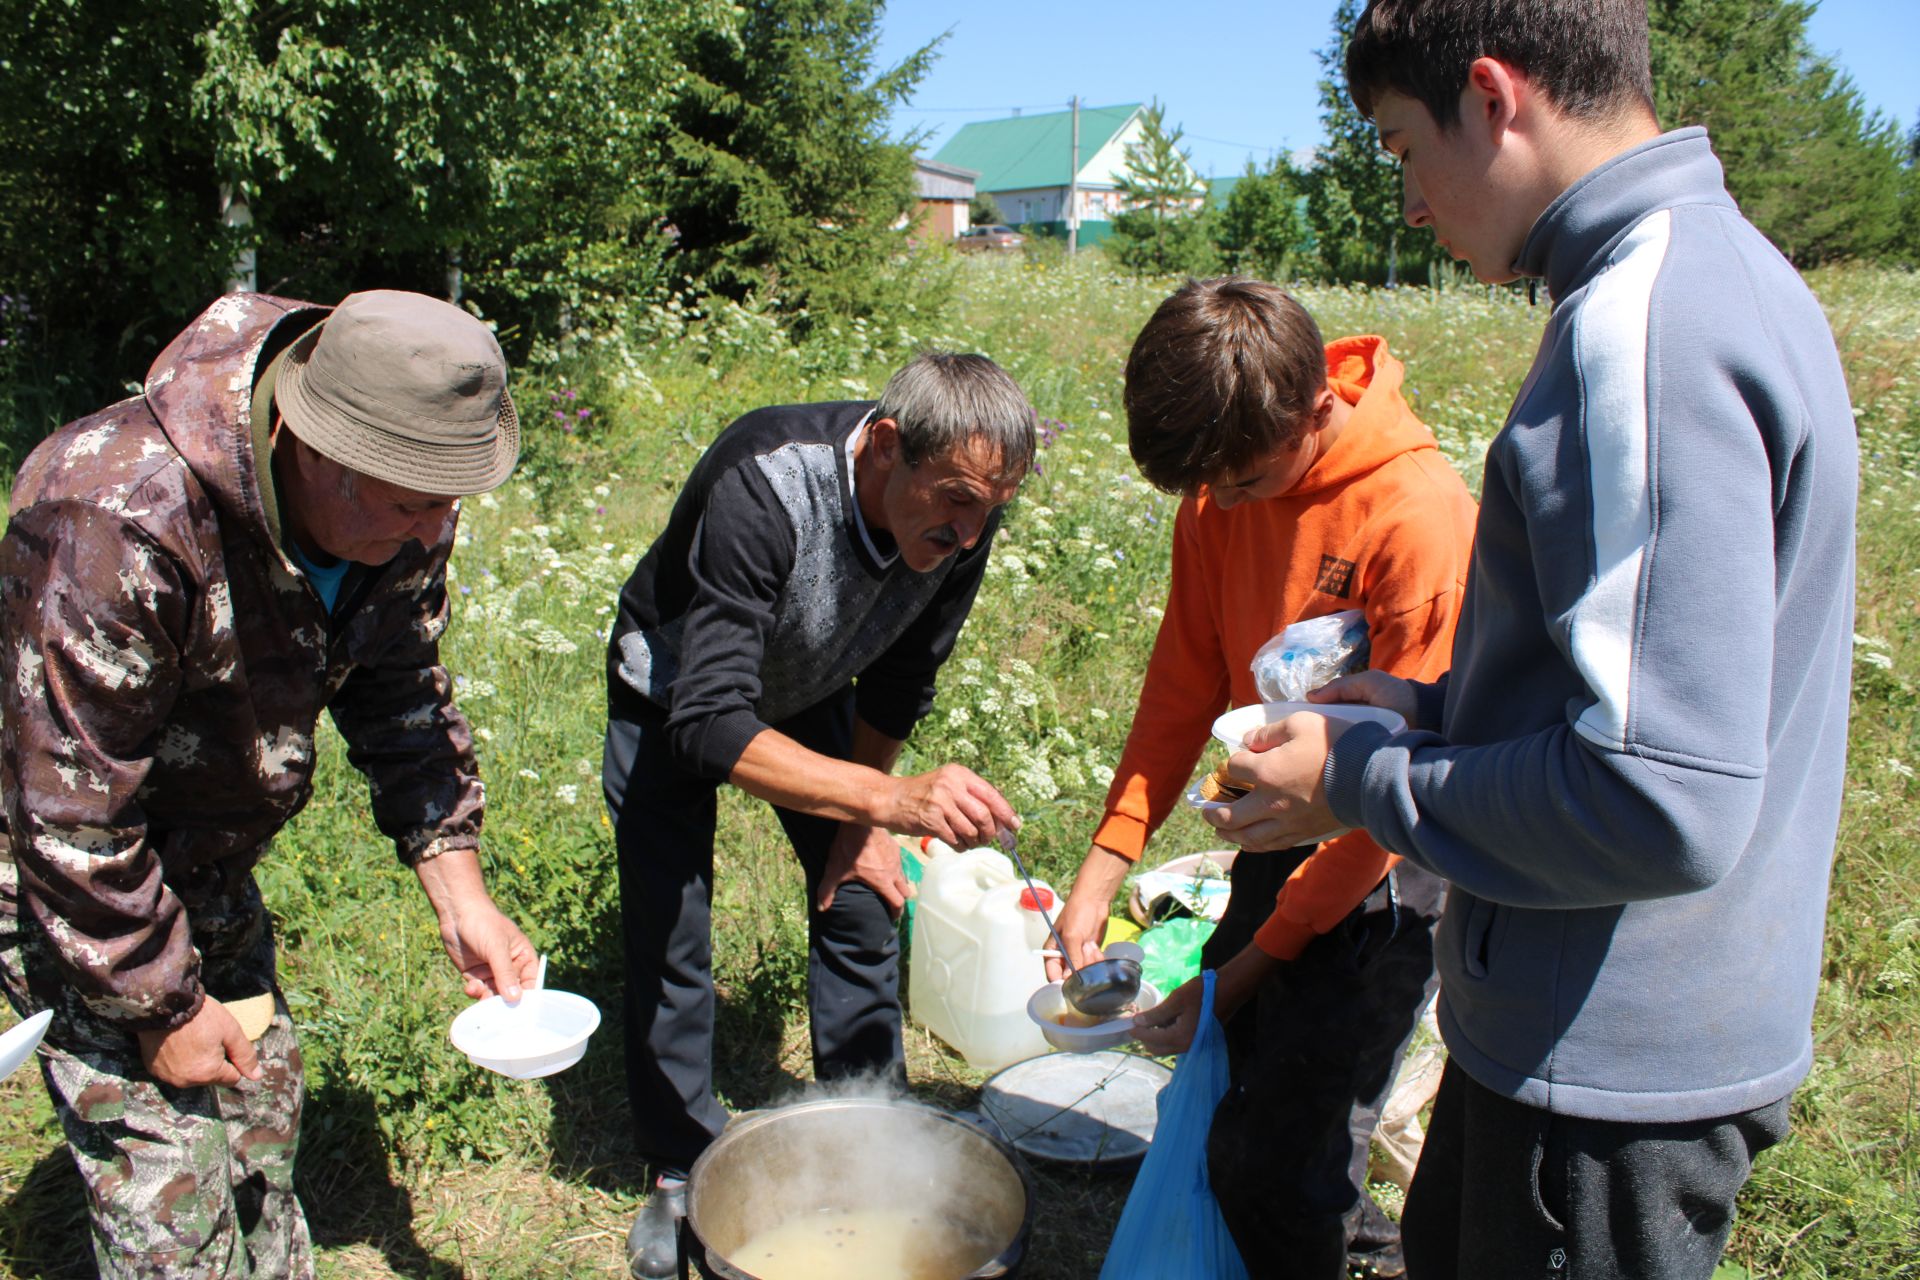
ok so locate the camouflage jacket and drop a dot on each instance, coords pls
(163, 666)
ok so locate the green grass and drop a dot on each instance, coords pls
(416, 1164)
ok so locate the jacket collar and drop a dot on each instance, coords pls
(1580, 229)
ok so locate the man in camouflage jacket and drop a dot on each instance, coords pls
(187, 580)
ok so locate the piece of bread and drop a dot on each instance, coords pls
(1220, 786)
(254, 1014)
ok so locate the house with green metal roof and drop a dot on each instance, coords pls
(1026, 164)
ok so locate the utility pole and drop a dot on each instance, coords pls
(1073, 185)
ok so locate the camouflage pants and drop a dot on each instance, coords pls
(188, 1183)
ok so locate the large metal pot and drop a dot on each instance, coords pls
(840, 1155)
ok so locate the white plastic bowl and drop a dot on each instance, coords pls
(1046, 1004)
(1233, 727)
(544, 1033)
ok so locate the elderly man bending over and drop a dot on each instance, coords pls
(188, 578)
(783, 635)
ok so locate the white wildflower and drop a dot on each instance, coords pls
(567, 793)
(530, 775)
(1872, 659)
(1898, 768)
(468, 689)
(546, 638)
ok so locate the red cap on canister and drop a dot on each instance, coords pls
(1044, 902)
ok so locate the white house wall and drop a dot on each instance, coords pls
(1033, 204)
(1106, 165)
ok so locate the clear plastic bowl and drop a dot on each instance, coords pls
(545, 1032)
(1046, 1004)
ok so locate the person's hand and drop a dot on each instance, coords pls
(1373, 688)
(208, 1048)
(1283, 763)
(1169, 1027)
(1082, 920)
(869, 855)
(1082, 924)
(492, 955)
(488, 949)
(952, 803)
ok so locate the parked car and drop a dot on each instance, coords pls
(993, 238)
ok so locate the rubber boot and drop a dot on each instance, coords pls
(653, 1242)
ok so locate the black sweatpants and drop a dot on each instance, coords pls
(663, 824)
(1505, 1189)
(1314, 1057)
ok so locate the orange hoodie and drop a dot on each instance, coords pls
(1381, 523)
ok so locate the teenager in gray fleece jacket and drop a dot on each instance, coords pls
(1632, 775)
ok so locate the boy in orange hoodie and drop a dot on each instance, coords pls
(1309, 487)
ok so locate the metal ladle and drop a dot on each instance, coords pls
(1098, 990)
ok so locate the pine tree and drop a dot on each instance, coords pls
(1263, 230)
(783, 180)
(1163, 225)
(1354, 203)
(1809, 164)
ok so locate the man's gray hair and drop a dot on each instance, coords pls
(942, 399)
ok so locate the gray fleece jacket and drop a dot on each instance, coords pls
(1636, 776)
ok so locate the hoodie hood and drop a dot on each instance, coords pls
(200, 389)
(1367, 377)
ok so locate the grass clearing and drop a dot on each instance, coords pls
(415, 1164)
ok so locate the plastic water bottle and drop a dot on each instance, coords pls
(976, 941)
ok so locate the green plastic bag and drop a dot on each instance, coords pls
(1173, 952)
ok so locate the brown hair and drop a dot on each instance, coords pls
(1224, 373)
(1590, 58)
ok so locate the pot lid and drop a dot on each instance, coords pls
(1077, 1108)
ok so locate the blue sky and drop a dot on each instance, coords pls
(1239, 75)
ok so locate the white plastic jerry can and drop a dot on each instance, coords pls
(976, 939)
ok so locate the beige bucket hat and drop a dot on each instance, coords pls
(404, 387)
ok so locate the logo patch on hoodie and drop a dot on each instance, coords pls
(1336, 576)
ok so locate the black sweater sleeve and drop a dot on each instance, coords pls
(740, 560)
(897, 689)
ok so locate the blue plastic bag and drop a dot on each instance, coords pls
(1171, 1228)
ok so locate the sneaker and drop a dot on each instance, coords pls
(1374, 1252)
(653, 1242)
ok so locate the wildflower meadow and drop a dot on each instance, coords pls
(415, 1163)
